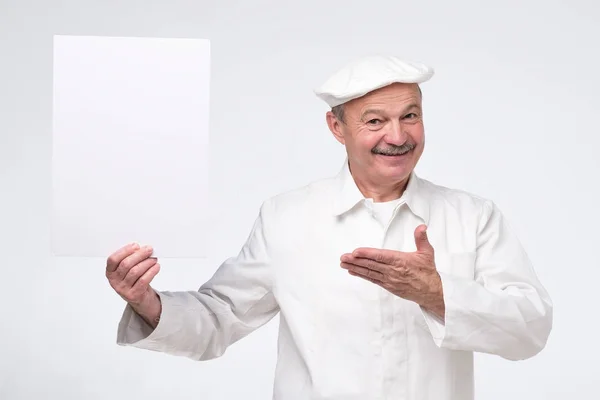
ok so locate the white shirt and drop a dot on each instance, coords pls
(383, 211)
(342, 337)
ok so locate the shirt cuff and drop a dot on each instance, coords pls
(134, 331)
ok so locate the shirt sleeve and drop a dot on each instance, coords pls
(201, 324)
(504, 310)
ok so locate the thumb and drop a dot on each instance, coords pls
(421, 239)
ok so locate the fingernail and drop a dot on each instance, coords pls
(135, 245)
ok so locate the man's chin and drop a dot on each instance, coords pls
(394, 167)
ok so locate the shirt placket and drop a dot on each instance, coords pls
(392, 358)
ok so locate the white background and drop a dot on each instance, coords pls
(510, 115)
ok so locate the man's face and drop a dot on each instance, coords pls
(383, 133)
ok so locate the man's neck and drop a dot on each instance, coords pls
(378, 191)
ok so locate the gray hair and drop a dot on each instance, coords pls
(339, 113)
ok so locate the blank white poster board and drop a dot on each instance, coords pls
(130, 145)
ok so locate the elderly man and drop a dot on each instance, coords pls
(385, 283)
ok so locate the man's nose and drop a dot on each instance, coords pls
(396, 134)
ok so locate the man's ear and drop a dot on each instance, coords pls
(335, 126)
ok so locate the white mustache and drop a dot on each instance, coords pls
(394, 150)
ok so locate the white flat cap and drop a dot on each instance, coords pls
(370, 73)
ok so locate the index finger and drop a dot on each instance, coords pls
(383, 256)
(115, 258)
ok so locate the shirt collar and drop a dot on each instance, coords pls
(347, 195)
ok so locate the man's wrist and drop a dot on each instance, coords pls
(434, 300)
(149, 309)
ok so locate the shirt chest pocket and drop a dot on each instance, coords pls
(460, 264)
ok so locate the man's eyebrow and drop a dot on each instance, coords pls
(410, 107)
(371, 111)
(380, 112)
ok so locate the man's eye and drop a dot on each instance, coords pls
(410, 116)
(374, 121)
